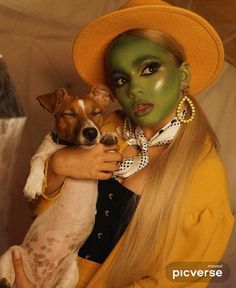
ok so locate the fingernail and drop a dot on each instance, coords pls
(16, 254)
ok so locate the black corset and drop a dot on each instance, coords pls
(115, 207)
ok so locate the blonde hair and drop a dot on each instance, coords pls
(164, 192)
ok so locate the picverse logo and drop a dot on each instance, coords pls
(197, 271)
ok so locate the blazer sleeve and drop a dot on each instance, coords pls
(205, 231)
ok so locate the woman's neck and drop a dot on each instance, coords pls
(149, 132)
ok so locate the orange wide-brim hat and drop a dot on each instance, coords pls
(203, 46)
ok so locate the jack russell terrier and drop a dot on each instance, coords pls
(49, 250)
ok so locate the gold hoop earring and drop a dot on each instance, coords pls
(185, 99)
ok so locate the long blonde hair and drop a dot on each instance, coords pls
(164, 192)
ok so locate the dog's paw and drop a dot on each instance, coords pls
(4, 283)
(33, 186)
(109, 138)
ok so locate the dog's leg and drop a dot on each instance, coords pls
(7, 274)
(33, 186)
(109, 138)
(70, 277)
(4, 283)
(34, 182)
(66, 275)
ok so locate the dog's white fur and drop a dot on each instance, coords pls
(49, 250)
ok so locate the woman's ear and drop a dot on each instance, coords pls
(185, 74)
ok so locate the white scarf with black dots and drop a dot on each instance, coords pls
(163, 137)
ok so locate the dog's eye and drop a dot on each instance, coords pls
(97, 113)
(68, 113)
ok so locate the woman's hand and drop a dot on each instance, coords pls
(96, 163)
(21, 280)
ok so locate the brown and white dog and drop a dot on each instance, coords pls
(49, 250)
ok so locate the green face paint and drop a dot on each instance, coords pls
(145, 79)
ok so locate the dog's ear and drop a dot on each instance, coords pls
(51, 101)
(102, 94)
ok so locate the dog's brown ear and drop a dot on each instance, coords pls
(51, 101)
(102, 94)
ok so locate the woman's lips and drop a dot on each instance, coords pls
(143, 108)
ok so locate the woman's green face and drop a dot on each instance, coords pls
(145, 79)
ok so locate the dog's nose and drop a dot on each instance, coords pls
(90, 133)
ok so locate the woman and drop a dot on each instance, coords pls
(172, 202)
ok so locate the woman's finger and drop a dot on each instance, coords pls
(111, 147)
(18, 265)
(21, 280)
(109, 167)
(104, 175)
(113, 157)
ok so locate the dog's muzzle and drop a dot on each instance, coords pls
(90, 133)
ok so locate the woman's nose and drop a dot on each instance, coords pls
(135, 90)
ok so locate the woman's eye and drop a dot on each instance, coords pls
(151, 68)
(118, 82)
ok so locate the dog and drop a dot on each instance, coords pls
(49, 250)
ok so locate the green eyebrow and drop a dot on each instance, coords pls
(146, 58)
(141, 60)
(117, 72)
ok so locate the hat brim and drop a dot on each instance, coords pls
(202, 45)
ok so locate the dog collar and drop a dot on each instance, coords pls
(56, 139)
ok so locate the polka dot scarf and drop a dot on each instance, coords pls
(163, 137)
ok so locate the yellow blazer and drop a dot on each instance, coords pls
(203, 235)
